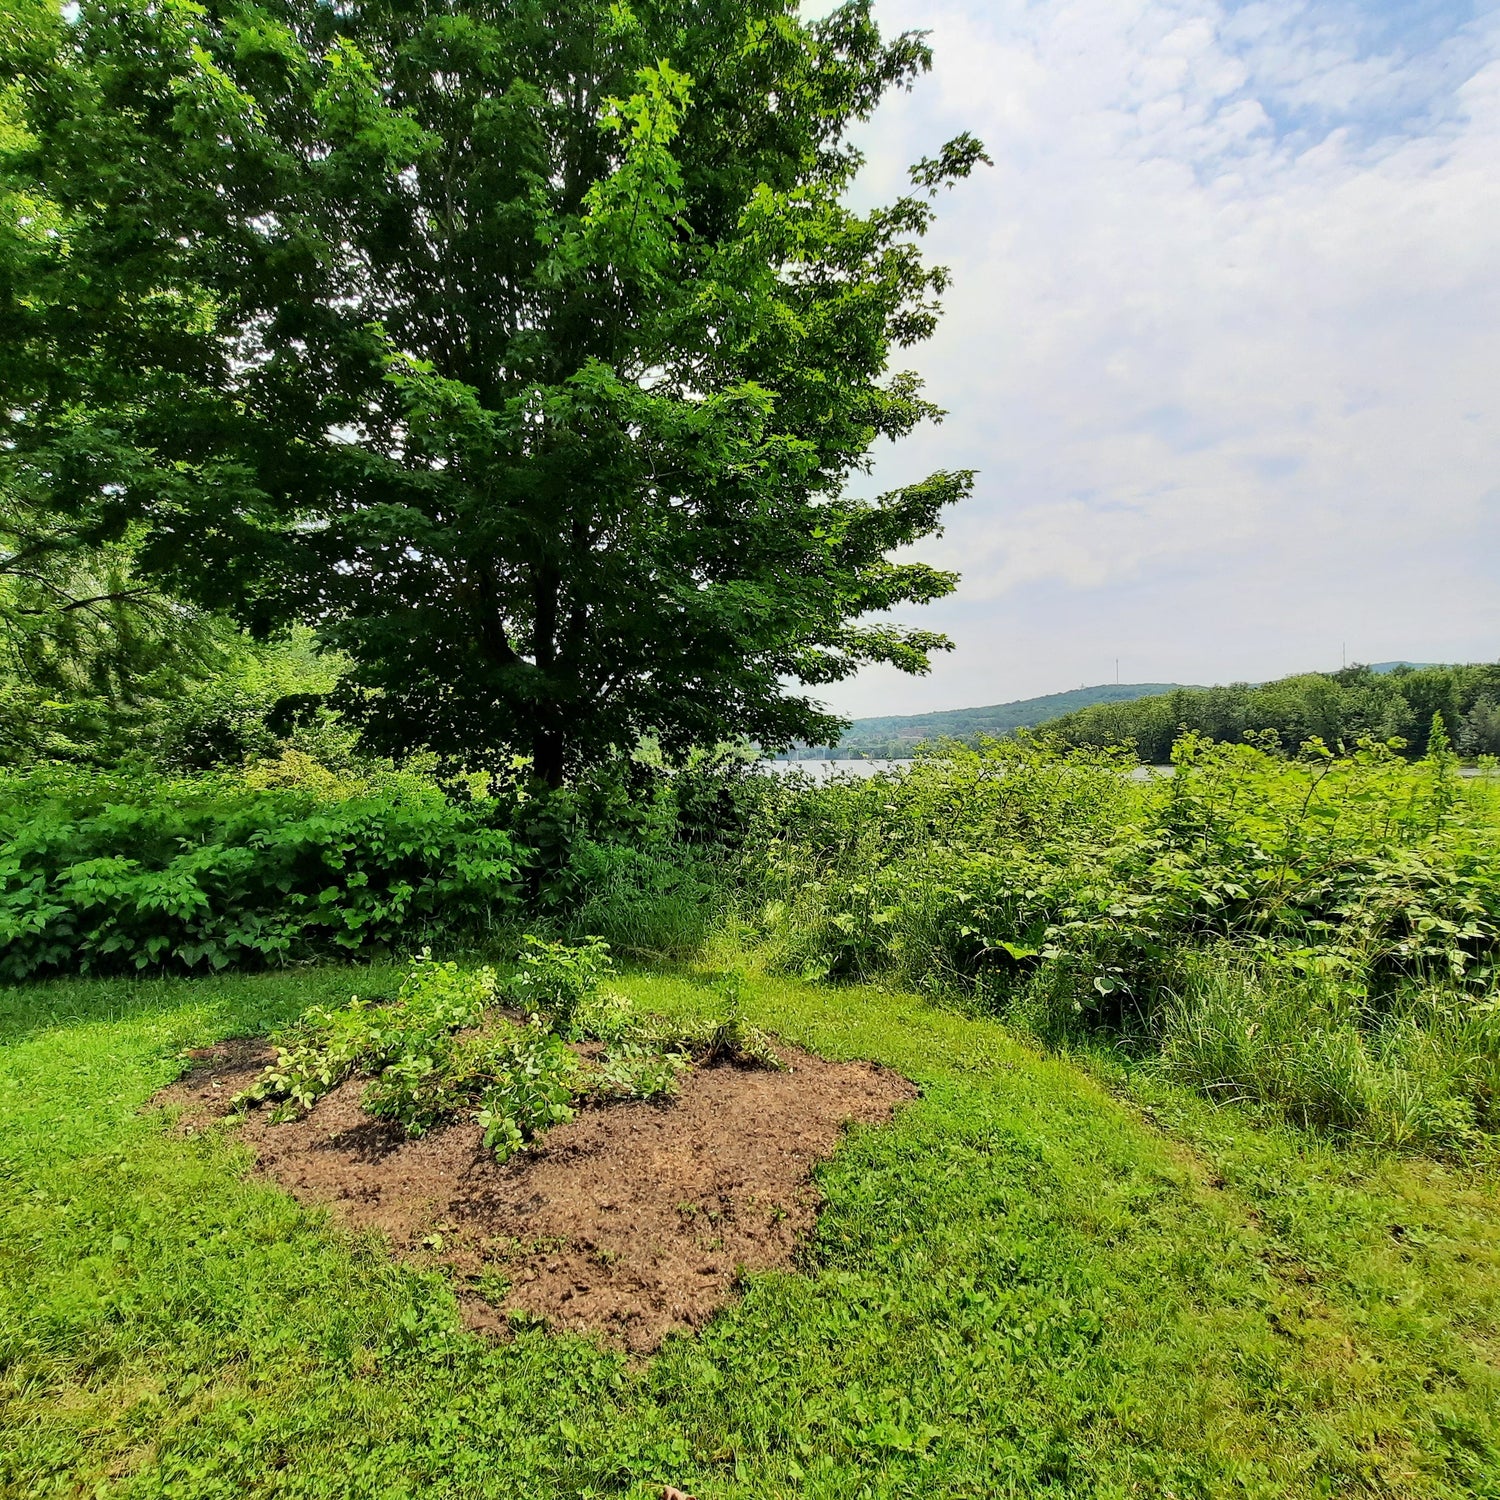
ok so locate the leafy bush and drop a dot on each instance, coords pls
(552, 980)
(532, 1089)
(288, 857)
(631, 1070)
(939, 876)
(1315, 932)
(719, 799)
(327, 1046)
(107, 872)
(982, 866)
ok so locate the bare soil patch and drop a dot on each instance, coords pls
(633, 1220)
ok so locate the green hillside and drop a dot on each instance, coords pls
(895, 735)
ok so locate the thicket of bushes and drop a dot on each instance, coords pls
(286, 860)
(1314, 933)
(103, 872)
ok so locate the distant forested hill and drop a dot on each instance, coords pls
(897, 735)
(1385, 701)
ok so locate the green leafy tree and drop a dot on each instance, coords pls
(88, 647)
(1479, 733)
(525, 349)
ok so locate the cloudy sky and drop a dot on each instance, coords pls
(1224, 339)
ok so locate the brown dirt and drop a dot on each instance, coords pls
(633, 1219)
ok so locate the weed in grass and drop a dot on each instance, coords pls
(492, 1285)
(552, 980)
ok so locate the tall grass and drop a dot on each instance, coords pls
(656, 902)
(1421, 1072)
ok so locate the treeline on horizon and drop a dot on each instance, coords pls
(1340, 708)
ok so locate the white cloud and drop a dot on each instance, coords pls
(1222, 342)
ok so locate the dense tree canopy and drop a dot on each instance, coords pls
(527, 349)
(88, 648)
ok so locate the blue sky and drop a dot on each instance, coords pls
(1223, 343)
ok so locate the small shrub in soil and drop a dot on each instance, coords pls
(445, 1049)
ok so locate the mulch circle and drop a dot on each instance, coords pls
(634, 1220)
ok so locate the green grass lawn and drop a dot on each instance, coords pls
(1033, 1283)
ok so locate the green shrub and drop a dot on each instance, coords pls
(952, 871)
(553, 980)
(442, 1051)
(631, 1070)
(109, 872)
(979, 867)
(410, 1035)
(1262, 920)
(532, 1087)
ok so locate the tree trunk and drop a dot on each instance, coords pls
(547, 756)
(546, 739)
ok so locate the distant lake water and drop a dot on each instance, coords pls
(860, 770)
(827, 770)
